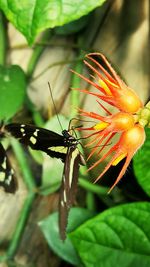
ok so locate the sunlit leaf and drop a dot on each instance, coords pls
(33, 17)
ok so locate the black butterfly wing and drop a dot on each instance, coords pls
(69, 186)
(39, 139)
(7, 178)
(59, 146)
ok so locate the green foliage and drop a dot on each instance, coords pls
(73, 27)
(53, 123)
(141, 164)
(119, 236)
(12, 90)
(49, 227)
(52, 170)
(33, 17)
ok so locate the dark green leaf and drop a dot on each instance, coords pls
(32, 17)
(141, 163)
(119, 236)
(12, 90)
(73, 27)
(49, 227)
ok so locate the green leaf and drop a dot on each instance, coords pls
(37, 155)
(52, 171)
(141, 164)
(74, 26)
(12, 90)
(49, 227)
(32, 17)
(119, 236)
(53, 124)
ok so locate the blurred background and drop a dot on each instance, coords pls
(118, 29)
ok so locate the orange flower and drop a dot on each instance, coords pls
(115, 92)
(132, 136)
(108, 127)
(129, 142)
(112, 89)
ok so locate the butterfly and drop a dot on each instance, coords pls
(7, 178)
(59, 146)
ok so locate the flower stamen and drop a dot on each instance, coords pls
(105, 87)
(101, 126)
(117, 160)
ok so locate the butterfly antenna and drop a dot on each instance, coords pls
(54, 106)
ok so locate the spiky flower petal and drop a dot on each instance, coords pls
(128, 144)
(110, 86)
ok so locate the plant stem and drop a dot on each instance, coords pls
(58, 63)
(38, 120)
(97, 189)
(20, 226)
(38, 50)
(90, 201)
(100, 191)
(29, 181)
(75, 83)
(27, 174)
(3, 39)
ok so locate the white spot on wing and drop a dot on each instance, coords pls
(2, 176)
(22, 130)
(8, 180)
(4, 164)
(65, 197)
(36, 132)
(12, 171)
(60, 149)
(73, 157)
(33, 140)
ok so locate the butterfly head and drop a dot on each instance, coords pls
(69, 139)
